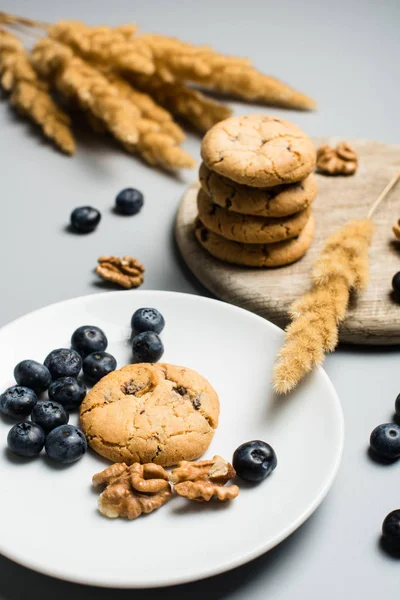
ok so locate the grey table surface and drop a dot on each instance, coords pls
(344, 54)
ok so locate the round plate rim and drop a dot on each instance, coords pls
(227, 565)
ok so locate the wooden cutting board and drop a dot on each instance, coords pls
(373, 316)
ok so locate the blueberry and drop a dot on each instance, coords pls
(67, 391)
(66, 444)
(33, 375)
(98, 365)
(88, 339)
(147, 319)
(391, 528)
(385, 441)
(147, 347)
(397, 406)
(26, 439)
(254, 461)
(85, 219)
(63, 363)
(396, 283)
(129, 201)
(17, 401)
(49, 415)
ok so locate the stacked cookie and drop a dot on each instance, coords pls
(257, 189)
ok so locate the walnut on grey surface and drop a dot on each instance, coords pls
(132, 490)
(204, 480)
(342, 160)
(126, 271)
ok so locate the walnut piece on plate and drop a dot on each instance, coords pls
(132, 490)
(126, 271)
(204, 480)
(342, 160)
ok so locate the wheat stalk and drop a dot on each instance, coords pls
(29, 95)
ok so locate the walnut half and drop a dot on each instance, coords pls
(204, 479)
(341, 160)
(126, 271)
(132, 490)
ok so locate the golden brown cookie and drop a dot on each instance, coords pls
(256, 255)
(278, 201)
(150, 413)
(258, 150)
(247, 229)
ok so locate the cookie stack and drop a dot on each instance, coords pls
(257, 189)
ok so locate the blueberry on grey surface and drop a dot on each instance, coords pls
(397, 406)
(88, 339)
(85, 219)
(147, 347)
(385, 441)
(147, 319)
(17, 401)
(63, 362)
(254, 461)
(391, 528)
(49, 415)
(67, 391)
(98, 365)
(33, 375)
(66, 444)
(26, 439)
(129, 201)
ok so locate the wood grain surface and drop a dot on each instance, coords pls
(373, 317)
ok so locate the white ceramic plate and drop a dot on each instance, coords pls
(49, 520)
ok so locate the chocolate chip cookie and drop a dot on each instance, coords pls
(150, 413)
(258, 151)
(256, 255)
(278, 201)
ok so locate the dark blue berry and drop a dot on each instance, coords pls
(63, 363)
(49, 415)
(85, 219)
(33, 375)
(26, 439)
(17, 401)
(396, 283)
(385, 441)
(66, 444)
(129, 201)
(391, 528)
(397, 406)
(88, 339)
(67, 391)
(147, 319)
(98, 365)
(147, 347)
(254, 461)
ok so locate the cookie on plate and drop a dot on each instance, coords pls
(278, 201)
(256, 255)
(150, 413)
(248, 229)
(258, 151)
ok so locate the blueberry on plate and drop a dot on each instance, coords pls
(26, 439)
(147, 319)
(67, 391)
(147, 347)
(63, 362)
(66, 444)
(254, 461)
(88, 339)
(391, 528)
(17, 401)
(33, 375)
(49, 415)
(98, 365)
(385, 441)
(129, 201)
(85, 219)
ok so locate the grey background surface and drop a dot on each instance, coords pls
(345, 54)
